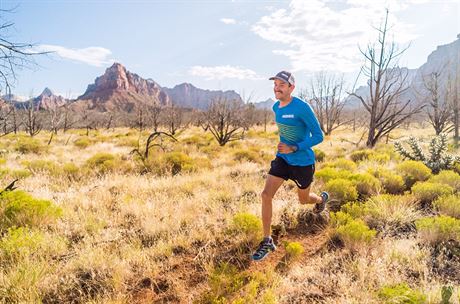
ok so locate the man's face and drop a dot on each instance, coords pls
(282, 89)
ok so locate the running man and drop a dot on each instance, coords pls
(299, 131)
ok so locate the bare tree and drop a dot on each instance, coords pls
(439, 109)
(224, 120)
(387, 83)
(14, 55)
(31, 120)
(173, 118)
(154, 115)
(453, 95)
(327, 97)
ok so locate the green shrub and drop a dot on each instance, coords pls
(246, 155)
(381, 158)
(22, 242)
(178, 162)
(391, 182)
(319, 155)
(82, 142)
(448, 205)
(249, 225)
(294, 250)
(355, 234)
(2, 161)
(355, 210)
(29, 145)
(18, 208)
(326, 174)
(342, 190)
(340, 218)
(427, 192)
(366, 184)
(438, 229)
(344, 164)
(102, 162)
(413, 171)
(401, 294)
(447, 177)
(71, 170)
(361, 155)
(42, 166)
(20, 173)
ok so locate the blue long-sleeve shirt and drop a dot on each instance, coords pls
(298, 126)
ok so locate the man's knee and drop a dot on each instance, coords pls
(266, 195)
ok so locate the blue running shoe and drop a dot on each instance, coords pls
(265, 247)
(319, 207)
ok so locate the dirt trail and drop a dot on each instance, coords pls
(183, 279)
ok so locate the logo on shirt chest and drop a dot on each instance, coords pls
(287, 116)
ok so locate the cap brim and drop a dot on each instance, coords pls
(279, 78)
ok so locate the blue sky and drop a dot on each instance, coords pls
(216, 44)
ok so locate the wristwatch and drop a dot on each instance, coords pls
(294, 148)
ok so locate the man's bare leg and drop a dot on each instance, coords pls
(272, 185)
(307, 197)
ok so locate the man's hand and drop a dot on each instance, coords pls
(285, 149)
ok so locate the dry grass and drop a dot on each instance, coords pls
(136, 236)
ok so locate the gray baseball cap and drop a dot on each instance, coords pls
(284, 76)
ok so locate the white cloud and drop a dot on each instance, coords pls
(223, 71)
(228, 20)
(95, 56)
(318, 36)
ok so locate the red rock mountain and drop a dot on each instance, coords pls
(119, 89)
(47, 100)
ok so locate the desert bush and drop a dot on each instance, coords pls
(22, 242)
(294, 250)
(340, 218)
(319, 155)
(198, 141)
(361, 155)
(249, 225)
(413, 171)
(342, 190)
(246, 155)
(344, 164)
(366, 184)
(42, 166)
(447, 177)
(2, 161)
(355, 234)
(381, 158)
(82, 142)
(29, 145)
(71, 171)
(391, 212)
(354, 209)
(326, 174)
(18, 208)
(435, 230)
(448, 205)
(20, 173)
(391, 182)
(427, 192)
(400, 294)
(178, 162)
(102, 162)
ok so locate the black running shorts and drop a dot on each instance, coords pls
(301, 175)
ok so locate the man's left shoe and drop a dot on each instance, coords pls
(319, 207)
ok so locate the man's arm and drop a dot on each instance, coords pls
(309, 118)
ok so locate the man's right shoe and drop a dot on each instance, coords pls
(265, 247)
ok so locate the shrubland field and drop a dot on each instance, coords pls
(91, 222)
